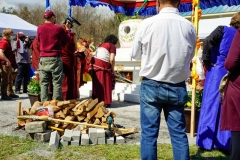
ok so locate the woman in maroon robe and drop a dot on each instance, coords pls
(230, 115)
(69, 86)
(102, 70)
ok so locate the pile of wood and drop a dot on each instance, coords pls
(87, 111)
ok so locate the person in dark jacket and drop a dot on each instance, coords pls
(23, 61)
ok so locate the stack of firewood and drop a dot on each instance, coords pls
(88, 111)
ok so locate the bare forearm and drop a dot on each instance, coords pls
(113, 65)
(2, 56)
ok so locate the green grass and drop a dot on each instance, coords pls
(16, 148)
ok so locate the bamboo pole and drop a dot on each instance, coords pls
(193, 107)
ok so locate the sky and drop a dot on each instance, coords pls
(14, 3)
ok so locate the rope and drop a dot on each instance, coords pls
(139, 9)
(118, 17)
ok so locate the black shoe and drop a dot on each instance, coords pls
(107, 105)
(6, 97)
(13, 96)
(18, 92)
(25, 91)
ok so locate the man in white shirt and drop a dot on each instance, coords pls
(165, 43)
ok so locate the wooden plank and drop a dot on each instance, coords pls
(91, 105)
(94, 111)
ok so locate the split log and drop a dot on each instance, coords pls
(73, 101)
(26, 111)
(91, 105)
(80, 118)
(94, 111)
(104, 119)
(46, 103)
(34, 108)
(78, 112)
(101, 112)
(21, 122)
(71, 105)
(97, 121)
(59, 114)
(56, 109)
(53, 102)
(66, 110)
(68, 118)
(80, 106)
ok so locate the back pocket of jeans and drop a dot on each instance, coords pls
(177, 96)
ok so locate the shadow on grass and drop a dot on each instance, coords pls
(203, 154)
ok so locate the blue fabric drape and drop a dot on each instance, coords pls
(209, 135)
(147, 11)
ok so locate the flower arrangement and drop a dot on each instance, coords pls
(199, 93)
(34, 85)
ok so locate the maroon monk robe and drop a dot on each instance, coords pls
(101, 80)
(69, 86)
(35, 53)
(230, 119)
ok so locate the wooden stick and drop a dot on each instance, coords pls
(46, 118)
(55, 128)
(19, 108)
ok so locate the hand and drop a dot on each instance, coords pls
(27, 38)
(82, 49)
(8, 63)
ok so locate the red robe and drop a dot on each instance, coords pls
(69, 85)
(35, 53)
(102, 76)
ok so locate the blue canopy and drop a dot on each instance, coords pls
(147, 9)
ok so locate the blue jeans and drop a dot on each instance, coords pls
(155, 96)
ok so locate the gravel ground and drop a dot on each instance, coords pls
(127, 116)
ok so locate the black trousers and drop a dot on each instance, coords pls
(22, 76)
(235, 146)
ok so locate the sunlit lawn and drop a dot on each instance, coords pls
(17, 148)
